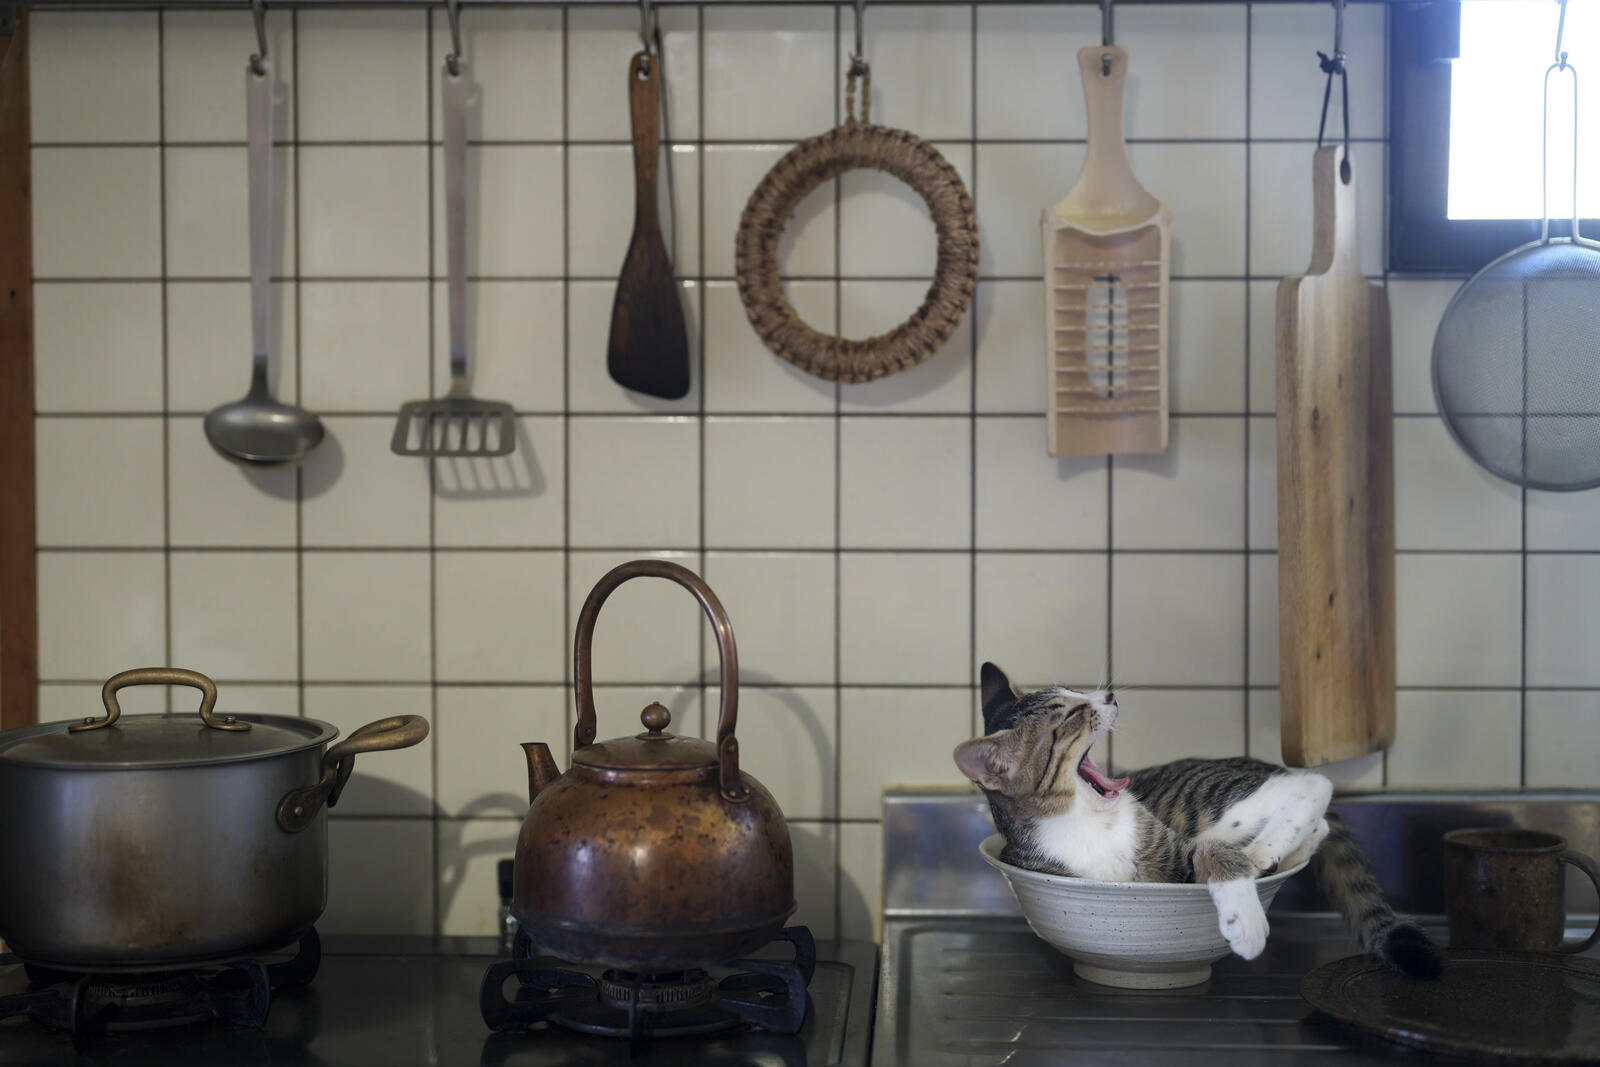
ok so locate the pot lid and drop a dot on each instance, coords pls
(655, 749)
(146, 742)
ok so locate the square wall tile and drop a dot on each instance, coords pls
(1263, 619)
(514, 349)
(362, 211)
(1280, 209)
(940, 383)
(498, 616)
(1562, 743)
(282, 698)
(635, 482)
(1190, 496)
(1043, 617)
(355, 492)
(897, 737)
(590, 387)
(1016, 184)
(380, 877)
(100, 612)
(1177, 619)
(1285, 85)
(769, 72)
(1029, 499)
(816, 875)
(1206, 347)
(218, 503)
(512, 229)
(601, 41)
(1263, 343)
(742, 374)
(1415, 307)
(383, 783)
(365, 345)
(788, 740)
(783, 612)
(96, 212)
(731, 172)
(204, 57)
(208, 213)
(1363, 774)
(512, 56)
(1456, 621)
(1262, 482)
(366, 616)
(478, 732)
(1028, 84)
(1208, 216)
(504, 501)
(470, 851)
(94, 76)
(99, 482)
(1562, 629)
(1186, 78)
(921, 58)
(208, 344)
(861, 880)
(905, 483)
(905, 619)
(1443, 499)
(59, 701)
(1160, 725)
(599, 224)
(362, 75)
(884, 225)
(1563, 520)
(650, 630)
(769, 482)
(1010, 362)
(234, 614)
(97, 347)
(1456, 739)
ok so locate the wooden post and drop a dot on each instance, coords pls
(19, 593)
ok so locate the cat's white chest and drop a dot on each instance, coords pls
(1097, 844)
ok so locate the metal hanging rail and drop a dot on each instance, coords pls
(244, 5)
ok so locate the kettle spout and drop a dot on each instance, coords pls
(541, 767)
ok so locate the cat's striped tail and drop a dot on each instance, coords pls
(1347, 879)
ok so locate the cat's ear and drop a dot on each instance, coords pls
(998, 692)
(990, 760)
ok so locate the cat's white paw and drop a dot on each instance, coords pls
(1264, 855)
(1240, 917)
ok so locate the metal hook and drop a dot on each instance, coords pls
(258, 62)
(858, 58)
(1107, 36)
(646, 27)
(1561, 26)
(452, 62)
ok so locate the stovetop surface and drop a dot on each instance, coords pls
(393, 1002)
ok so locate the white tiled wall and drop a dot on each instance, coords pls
(873, 543)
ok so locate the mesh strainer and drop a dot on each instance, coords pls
(1516, 361)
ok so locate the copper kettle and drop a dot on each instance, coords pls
(653, 852)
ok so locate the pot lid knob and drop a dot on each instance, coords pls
(656, 718)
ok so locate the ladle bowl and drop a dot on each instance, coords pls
(263, 431)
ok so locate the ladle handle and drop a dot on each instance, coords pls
(258, 122)
(733, 787)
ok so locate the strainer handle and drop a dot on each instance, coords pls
(1559, 65)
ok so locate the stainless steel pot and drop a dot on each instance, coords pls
(147, 841)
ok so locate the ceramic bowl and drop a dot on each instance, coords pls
(1135, 935)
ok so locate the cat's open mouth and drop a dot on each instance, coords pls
(1110, 788)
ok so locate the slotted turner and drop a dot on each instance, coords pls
(458, 423)
(1106, 264)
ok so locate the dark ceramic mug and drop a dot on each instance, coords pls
(1503, 889)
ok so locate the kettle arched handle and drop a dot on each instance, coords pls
(732, 786)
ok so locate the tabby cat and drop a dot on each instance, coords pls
(1218, 821)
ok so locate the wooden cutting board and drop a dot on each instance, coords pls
(1335, 491)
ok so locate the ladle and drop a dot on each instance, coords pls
(260, 429)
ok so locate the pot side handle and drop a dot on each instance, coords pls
(159, 676)
(732, 785)
(299, 806)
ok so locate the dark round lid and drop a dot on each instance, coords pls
(141, 742)
(655, 749)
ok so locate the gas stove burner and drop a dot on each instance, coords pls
(92, 1005)
(768, 994)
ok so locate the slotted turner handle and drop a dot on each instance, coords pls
(454, 101)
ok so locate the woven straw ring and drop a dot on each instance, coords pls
(855, 145)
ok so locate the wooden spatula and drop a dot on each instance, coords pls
(649, 348)
(1335, 492)
(1106, 264)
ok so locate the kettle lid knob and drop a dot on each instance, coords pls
(656, 718)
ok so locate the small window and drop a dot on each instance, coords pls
(1466, 88)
